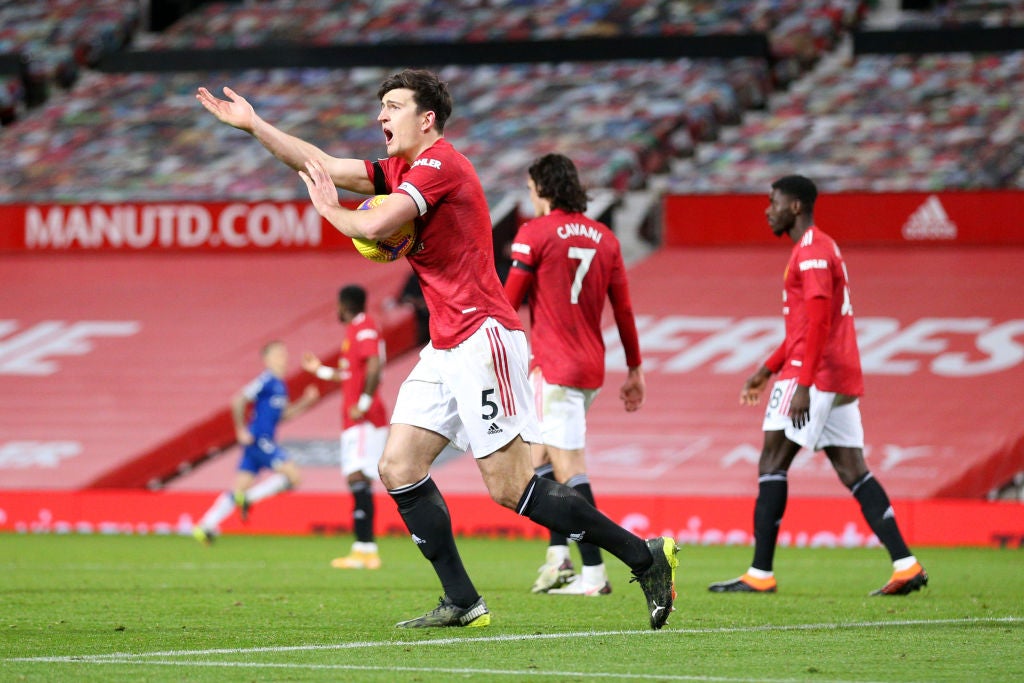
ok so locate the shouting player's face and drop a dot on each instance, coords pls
(781, 212)
(403, 126)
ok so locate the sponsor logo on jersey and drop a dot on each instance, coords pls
(432, 163)
(818, 263)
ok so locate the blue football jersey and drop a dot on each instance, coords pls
(269, 396)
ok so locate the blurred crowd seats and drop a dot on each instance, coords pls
(884, 122)
(52, 40)
(145, 137)
(880, 122)
(962, 14)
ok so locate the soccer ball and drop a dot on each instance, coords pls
(391, 248)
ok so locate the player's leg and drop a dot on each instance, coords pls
(284, 477)
(570, 469)
(772, 495)
(557, 569)
(488, 376)
(404, 470)
(845, 427)
(653, 562)
(361, 447)
(224, 504)
(782, 442)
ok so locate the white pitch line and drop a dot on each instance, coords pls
(619, 676)
(125, 657)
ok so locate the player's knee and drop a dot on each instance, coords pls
(397, 472)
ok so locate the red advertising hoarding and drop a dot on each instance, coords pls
(855, 218)
(167, 226)
(809, 522)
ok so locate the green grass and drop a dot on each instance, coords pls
(270, 608)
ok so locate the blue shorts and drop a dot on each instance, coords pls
(263, 453)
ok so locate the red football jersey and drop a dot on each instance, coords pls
(454, 259)
(576, 265)
(816, 269)
(362, 342)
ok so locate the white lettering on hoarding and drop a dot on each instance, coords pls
(165, 226)
(21, 455)
(45, 522)
(694, 533)
(679, 344)
(31, 351)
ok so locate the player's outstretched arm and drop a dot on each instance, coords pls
(237, 112)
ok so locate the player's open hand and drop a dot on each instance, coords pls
(310, 363)
(322, 191)
(234, 111)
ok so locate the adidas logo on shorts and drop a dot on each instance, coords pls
(494, 429)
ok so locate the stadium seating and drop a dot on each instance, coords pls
(54, 38)
(883, 123)
(147, 138)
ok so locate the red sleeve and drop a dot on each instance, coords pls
(818, 324)
(517, 284)
(622, 307)
(778, 357)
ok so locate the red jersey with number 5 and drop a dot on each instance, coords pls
(576, 264)
(816, 269)
(454, 259)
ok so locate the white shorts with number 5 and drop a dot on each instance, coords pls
(477, 395)
(829, 424)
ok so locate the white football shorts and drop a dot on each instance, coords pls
(361, 448)
(477, 395)
(829, 424)
(562, 412)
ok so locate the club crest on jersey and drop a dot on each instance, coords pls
(432, 163)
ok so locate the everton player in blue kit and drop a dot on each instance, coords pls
(269, 398)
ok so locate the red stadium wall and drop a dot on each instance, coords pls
(816, 522)
(855, 218)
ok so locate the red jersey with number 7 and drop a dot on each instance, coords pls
(575, 264)
(816, 270)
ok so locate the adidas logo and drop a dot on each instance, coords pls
(494, 429)
(578, 536)
(417, 540)
(929, 222)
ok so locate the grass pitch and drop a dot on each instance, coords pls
(104, 608)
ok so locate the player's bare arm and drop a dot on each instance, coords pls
(237, 112)
(750, 395)
(238, 405)
(310, 395)
(373, 224)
